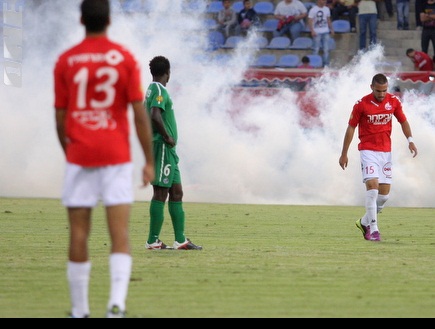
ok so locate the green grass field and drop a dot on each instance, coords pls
(259, 261)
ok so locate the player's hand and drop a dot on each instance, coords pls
(343, 161)
(413, 149)
(147, 174)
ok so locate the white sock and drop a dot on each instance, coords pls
(382, 198)
(120, 272)
(78, 275)
(371, 216)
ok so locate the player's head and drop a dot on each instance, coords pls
(160, 68)
(410, 52)
(95, 15)
(379, 86)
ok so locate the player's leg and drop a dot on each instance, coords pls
(385, 179)
(370, 174)
(80, 195)
(117, 197)
(175, 207)
(79, 266)
(161, 184)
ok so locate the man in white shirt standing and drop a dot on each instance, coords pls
(319, 21)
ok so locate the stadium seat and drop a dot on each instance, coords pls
(288, 61)
(223, 59)
(269, 25)
(237, 6)
(341, 26)
(232, 41)
(315, 60)
(309, 5)
(210, 23)
(193, 6)
(264, 8)
(279, 43)
(215, 7)
(265, 60)
(261, 42)
(132, 6)
(215, 40)
(302, 43)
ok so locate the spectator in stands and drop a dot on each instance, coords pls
(291, 15)
(247, 18)
(227, 18)
(368, 20)
(427, 17)
(305, 63)
(418, 8)
(342, 7)
(421, 60)
(319, 21)
(388, 7)
(402, 7)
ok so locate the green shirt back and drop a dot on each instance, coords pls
(157, 96)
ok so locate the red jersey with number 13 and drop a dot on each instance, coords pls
(374, 121)
(95, 81)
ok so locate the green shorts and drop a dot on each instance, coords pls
(166, 165)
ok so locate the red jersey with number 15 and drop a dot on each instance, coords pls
(95, 81)
(374, 121)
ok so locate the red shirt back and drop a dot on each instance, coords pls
(95, 81)
(422, 61)
(374, 121)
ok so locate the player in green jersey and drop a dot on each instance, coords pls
(167, 180)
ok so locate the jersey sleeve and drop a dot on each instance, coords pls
(60, 86)
(398, 112)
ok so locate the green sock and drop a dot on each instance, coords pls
(156, 220)
(177, 216)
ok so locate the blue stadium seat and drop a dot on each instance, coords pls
(132, 6)
(269, 25)
(232, 41)
(264, 8)
(210, 23)
(215, 40)
(302, 43)
(237, 6)
(261, 42)
(279, 43)
(214, 7)
(265, 60)
(288, 61)
(315, 60)
(341, 26)
(309, 4)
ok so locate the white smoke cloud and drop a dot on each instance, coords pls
(250, 151)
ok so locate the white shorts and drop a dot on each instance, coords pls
(376, 165)
(84, 186)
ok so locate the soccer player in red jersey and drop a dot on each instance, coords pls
(421, 60)
(95, 82)
(373, 115)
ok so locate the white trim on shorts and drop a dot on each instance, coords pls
(86, 186)
(380, 165)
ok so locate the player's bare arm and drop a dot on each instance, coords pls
(348, 136)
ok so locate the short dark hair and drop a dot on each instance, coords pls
(305, 59)
(95, 15)
(409, 50)
(379, 79)
(159, 66)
